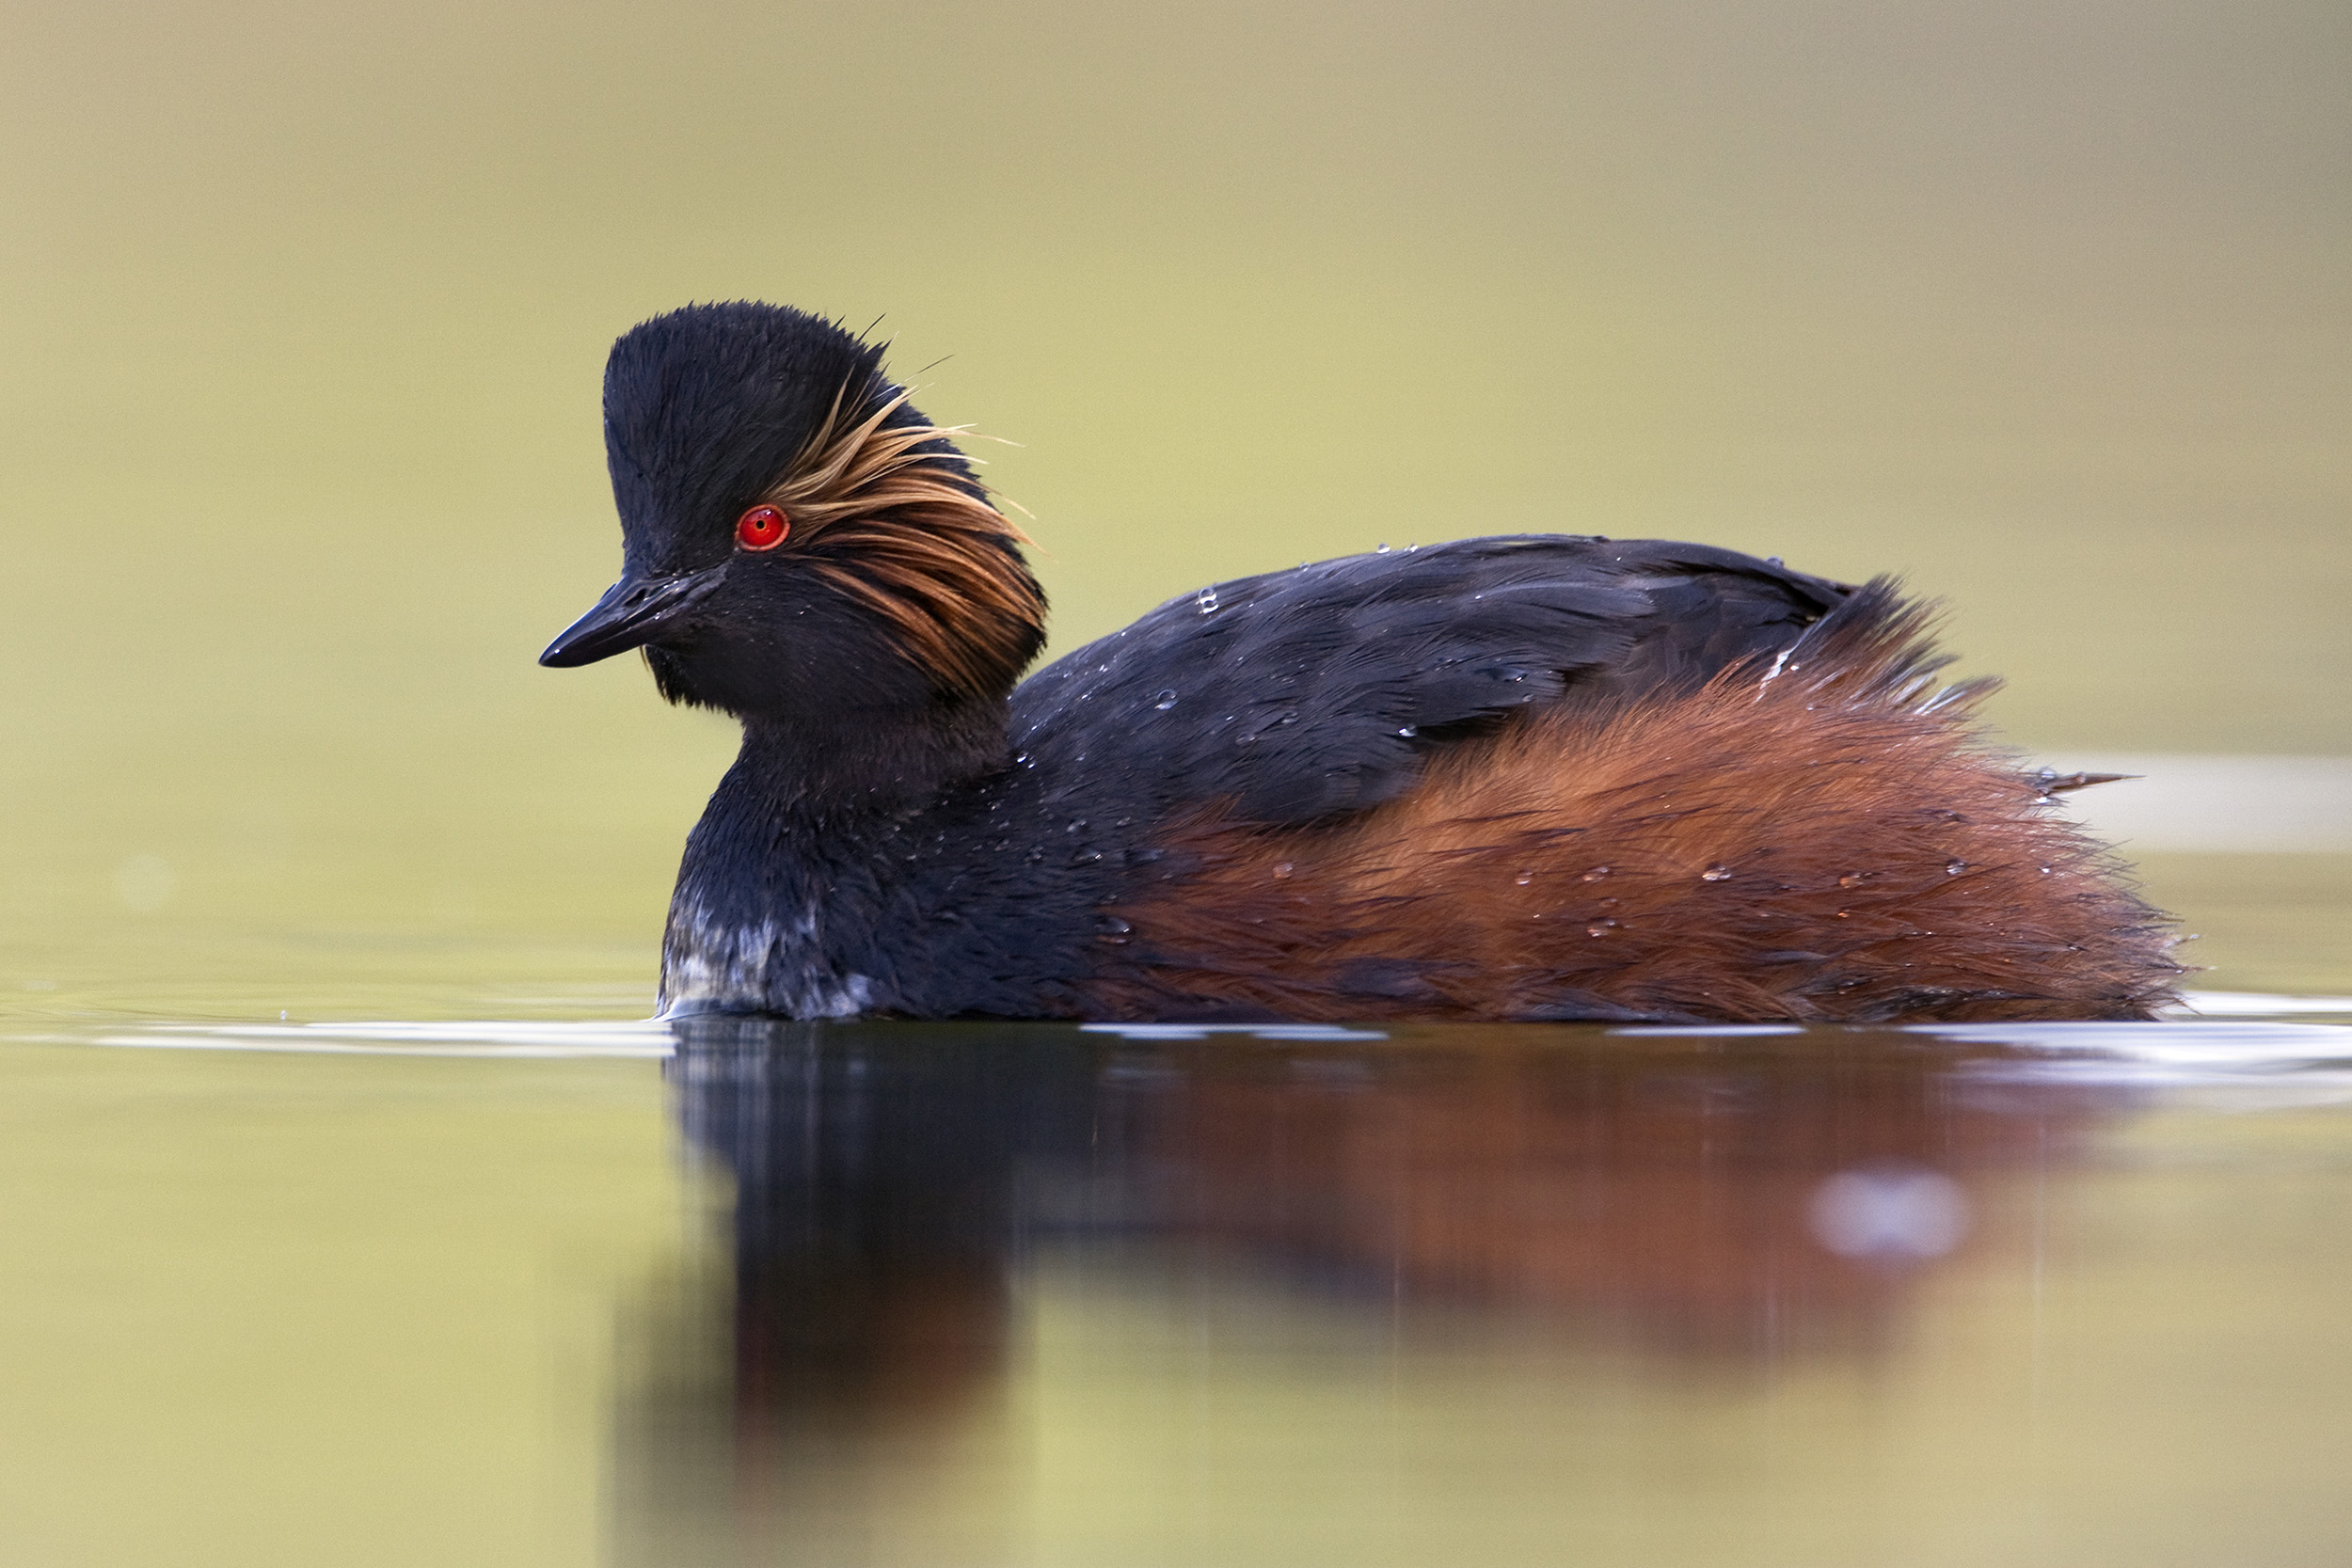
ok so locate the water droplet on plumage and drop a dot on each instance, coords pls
(1165, 700)
(1953, 868)
(1085, 857)
(2046, 871)
(1524, 877)
(1382, 550)
(1851, 878)
(1715, 874)
(1409, 731)
(1206, 600)
(1282, 869)
(1771, 561)
(1600, 928)
(1596, 874)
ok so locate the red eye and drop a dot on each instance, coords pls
(762, 528)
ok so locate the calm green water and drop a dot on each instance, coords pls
(573, 1292)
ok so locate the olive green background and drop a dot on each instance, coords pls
(2044, 306)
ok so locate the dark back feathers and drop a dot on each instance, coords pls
(1306, 693)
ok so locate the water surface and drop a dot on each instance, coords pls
(559, 1290)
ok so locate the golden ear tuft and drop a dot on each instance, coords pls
(915, 540)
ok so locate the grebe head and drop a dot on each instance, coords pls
(799, 545)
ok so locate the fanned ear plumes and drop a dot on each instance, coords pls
(883, 513)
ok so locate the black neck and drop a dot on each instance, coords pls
(850, 762)
(795, 878)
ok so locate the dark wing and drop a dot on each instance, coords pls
(1304, 693)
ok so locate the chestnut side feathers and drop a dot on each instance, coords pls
(1819, 836)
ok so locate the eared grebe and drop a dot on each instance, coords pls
(1529, 777)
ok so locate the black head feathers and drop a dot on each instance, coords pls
(800, 544)
(706, 406)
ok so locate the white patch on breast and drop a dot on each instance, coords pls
(709, 965)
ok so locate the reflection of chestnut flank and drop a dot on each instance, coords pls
(1652, 1185)
(1537, 777)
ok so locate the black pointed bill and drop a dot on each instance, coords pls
(632, 612)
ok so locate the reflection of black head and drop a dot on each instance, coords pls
(876, 1171)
